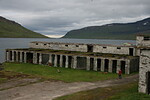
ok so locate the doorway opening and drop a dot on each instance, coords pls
(70, 61)
(98, 64)
(123, 66)
(10, 56)
(64, 61)
(114, 66)
(148, 82)
(45, 59)
(91, 63)
(58, 60)
(131, 51)
(81, 62)
(89, 48)
(29, 57)
(106, 65)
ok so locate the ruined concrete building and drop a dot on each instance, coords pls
(143, 44)
(105, 58)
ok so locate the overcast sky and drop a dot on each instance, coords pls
(56, 17)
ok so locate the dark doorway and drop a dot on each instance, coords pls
(114, 66)
(18, 56)
(58, 60)
(38, 55)
(29, 57)
(70, 62)
(10, 56)
(89, 48)
(131, 51)
(53, 58)
(15, 55)
(123, 66)
(22, 56)
(98, 64)
(64, 61)
(106, 65)
(45, 59)
(148, 82)
(91, 63)
(81, 62)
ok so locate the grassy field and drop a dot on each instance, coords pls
(11, 29)
(122, 92)
(66, 75)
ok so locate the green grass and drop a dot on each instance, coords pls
(66, 75)
(122, 92)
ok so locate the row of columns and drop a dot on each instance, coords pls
(12, 56)
(73, 65)
(110, 65)
(19, 58)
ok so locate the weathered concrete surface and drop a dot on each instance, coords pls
(48, 90)
(144, 68)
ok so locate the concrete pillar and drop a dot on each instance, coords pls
(55, 61)
(17, 56)
(66, 64)
(34, 58)
(118, 66)
(25, 57)
(7, 56)
(127, 67)
(87, 63)
(74, 62)
(102, 64)
(13, 57)
(95, 64)
(20, 57)
(61, 60)
(40, 58)
(110, 66)
(50, 59)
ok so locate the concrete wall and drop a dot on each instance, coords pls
(141, 42)
(144, 68)
(59, 46)
(84, 47)
(113, 49)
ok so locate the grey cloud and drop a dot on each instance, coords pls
(60, 16)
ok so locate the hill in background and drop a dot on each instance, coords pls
(11, 29)
(126, 31)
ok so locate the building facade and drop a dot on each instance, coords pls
(98, 48)
(75, 60)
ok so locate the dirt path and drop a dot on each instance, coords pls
(48, 90)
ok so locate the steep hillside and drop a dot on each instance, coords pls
(112, 31)
(11, 29)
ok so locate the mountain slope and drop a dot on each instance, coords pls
(112, 31)
(11, 29)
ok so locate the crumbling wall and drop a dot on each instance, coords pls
(144, 68)
(113, 49)
(60, 46)
(143, 41)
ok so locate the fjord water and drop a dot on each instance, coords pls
(8, 43)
